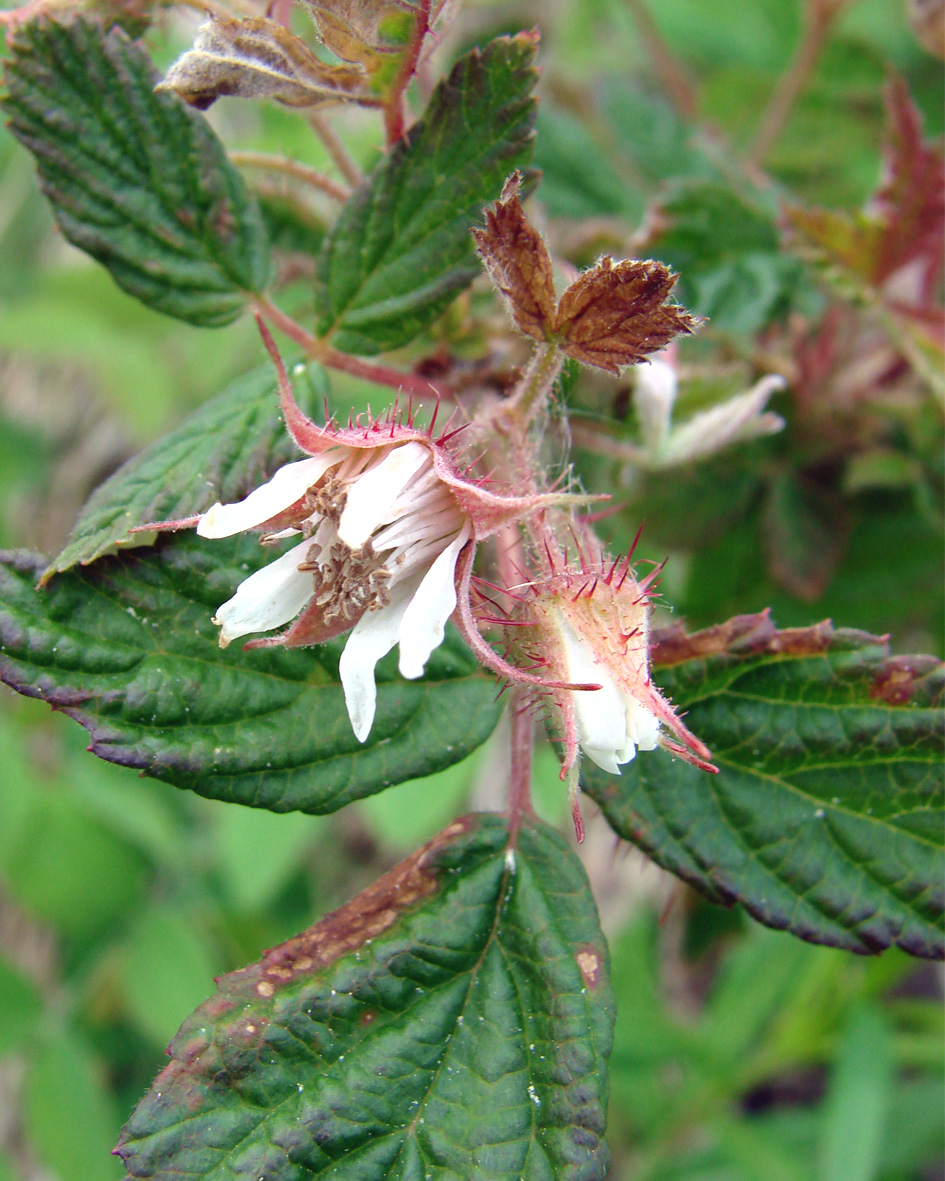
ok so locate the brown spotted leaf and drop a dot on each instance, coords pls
(452, 1020)
(515, 255)
(826, 817)
(257, 58)
(617, 313)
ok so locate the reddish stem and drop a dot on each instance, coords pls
(520, 762)
(819, 19)
(319, 350)
(394, 113)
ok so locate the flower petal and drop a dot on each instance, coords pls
(373, 636)
(267, 599)
(289, 483)
(654, 396)
(371, 496)
(643, 727)
(601, 714)
(425, 620)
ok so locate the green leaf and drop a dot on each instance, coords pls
(858, 1100)
(453, 1020)
(21, 1006)
(68, 869)
(70, 1118)
(230, 445)
(401, 249)
(257, 852)
(166, 972)
(135, 178)
(726, 248)
(127, 648)
(826, 816)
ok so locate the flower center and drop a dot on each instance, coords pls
(346, 582)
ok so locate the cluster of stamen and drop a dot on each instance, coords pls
(325, 500)
(347, 582)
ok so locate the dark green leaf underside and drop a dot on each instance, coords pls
(230, 445)
(826, 816)
(136, 179)
(453, 1021)
(401, 250)
(127, 648)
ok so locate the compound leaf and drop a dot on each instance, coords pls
(826, 816)
(453, 1020)
(127, 648)
(135, 178)
(401, 249)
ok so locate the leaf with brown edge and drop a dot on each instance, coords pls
(454, 1019)
(257, 58)
(826, 817)
(515, 255)
(616, 313)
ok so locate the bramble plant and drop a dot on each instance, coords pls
(225, 614)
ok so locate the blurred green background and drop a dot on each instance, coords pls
(741, 1054)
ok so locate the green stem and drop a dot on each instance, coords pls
(532, 393)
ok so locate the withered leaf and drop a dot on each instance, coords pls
(616, 313)
(257, 58)
(515, 255)
(612, 315)
(351, 29)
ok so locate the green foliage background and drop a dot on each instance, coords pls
(741, 1054)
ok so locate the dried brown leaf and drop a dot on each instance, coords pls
(517, 260)
(616, 313)
(257, 58)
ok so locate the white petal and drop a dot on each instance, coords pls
(371, 496)
(643, 727)
(373, 636)
(284, 489)
(653, 398)
(738, 418)
(601, 714)
(425, 620)
(267, 599)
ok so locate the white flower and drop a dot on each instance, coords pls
(589, 620)
(738, 419)
(381, 532)
(611, 724)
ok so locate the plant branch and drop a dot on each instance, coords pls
(317, 349)
(336, 149)
(672, 75)
(394, 114)
(819, 19)
(290, 167)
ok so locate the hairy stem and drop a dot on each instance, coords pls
(336, 149)
(520, 760)
(394, 112)
(290, 167)
(317, 349)
(530, 396)
(819, 19)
